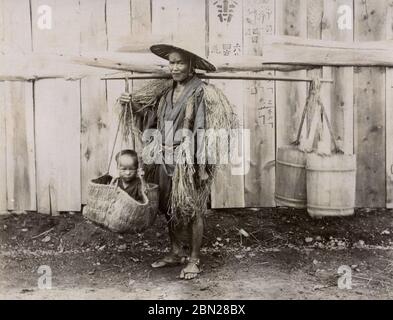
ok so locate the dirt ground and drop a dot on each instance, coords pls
(283, 254)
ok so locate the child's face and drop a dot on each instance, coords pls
(127, 168)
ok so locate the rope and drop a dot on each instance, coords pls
(122, 119)
(114, 142)
(336, 148)
(315, 86)
(315, 98)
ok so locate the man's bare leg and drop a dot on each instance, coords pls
(177, 254)
(193, 267)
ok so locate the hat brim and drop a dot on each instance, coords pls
(163, 51)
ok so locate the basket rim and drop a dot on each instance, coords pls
(151, 186)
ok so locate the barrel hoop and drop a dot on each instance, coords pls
(311, 206)
(289, 199)
(290, 164)
(330, 170)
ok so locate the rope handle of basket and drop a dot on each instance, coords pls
(312, 92)
(121, 119)
(324, 115)
(314, 97)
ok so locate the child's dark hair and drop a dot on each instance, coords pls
(127, 152)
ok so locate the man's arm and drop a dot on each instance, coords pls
(200, 124)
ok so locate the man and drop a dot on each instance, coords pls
(181, 106)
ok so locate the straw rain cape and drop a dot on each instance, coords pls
(189, 192)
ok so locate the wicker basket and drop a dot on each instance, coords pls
(112, 207)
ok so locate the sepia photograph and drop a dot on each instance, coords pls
(201, 150)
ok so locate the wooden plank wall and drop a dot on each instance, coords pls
(389, 116)
(18, 99)
(226, 39)
(3, 154)
(259, 109)
(314, 31)
(290, 97)
(94, 109)
(57, 114)
(141, 25)
(118, 19)
(369, 90)
(3, 137)
(57, 135)
(342, 94)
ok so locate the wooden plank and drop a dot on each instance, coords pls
(317, 13)
(21, 177)
(58, 146)
(94, 127)
(226, 40)
(93, 25)
(314, 31)
(3, 138)
(330, 53)
(180, 19)
(389, 119)
(389, 138)
(259, 109)
(141, 24)
(57, 115)
(290, 97)
(118, 18)
(370, 24)
(141, 18)
(2, 27)
(3, 153)
(342, 91)
(16, 67)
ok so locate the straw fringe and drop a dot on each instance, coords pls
(189, 193)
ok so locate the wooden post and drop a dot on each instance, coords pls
(18, 99)
(370, 25)
(226, 39)
(57, 115)
(259, 108)
(94, 109)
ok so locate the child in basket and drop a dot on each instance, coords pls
(129, 175)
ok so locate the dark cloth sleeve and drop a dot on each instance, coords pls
(199, 124)
(200, 110)
(150, 119)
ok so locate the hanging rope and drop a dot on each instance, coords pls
(314, 100)
(126, 124)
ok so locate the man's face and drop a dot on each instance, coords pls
(179, 66)
(127, 168)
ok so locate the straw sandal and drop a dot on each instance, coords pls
(169, 261)
(192, 270)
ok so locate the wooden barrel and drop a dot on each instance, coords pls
(331, 185)
(291, 178)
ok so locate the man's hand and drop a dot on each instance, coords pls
(140, 172)
(203, 173)
(125, 98)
